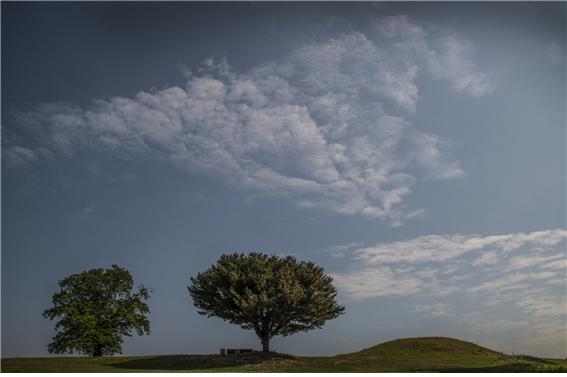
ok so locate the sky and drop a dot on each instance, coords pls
(416, 151)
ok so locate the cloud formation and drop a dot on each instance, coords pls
(511, 280)
(447, 57)
(312, 128)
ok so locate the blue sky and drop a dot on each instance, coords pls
(414, 150)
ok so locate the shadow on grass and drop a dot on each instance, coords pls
(193, 362)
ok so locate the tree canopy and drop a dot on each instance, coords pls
(269, 294)
(95, 309)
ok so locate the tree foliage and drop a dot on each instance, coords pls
(95, 309)
(266, 293)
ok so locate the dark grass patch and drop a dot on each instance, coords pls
(199, 362)
(403, 355)
(512, 368)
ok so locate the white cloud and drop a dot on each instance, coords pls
(341, 250)
(476, 265)
(513, 281)
(529, 261)
(560, 264)
(427, 149)
(377, 282)
(401, 27)
(488, 258)
(451, 61)
(544, 306)
(447, 57)
(311, 128)
(442, 248)
(435, 310)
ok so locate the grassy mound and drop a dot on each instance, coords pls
(434, 353)
(430, 346)
(430, 354)
(403, 355)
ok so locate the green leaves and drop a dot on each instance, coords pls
(270, 294)
(95, 309)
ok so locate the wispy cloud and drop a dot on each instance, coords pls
(364, 283)
(451, 61)
(312, 128)
(341, 250)
(554, 52)
(512, 280)
(435, 310)
(445, 248)
(17, 156)
(447, 56)
(87, 211)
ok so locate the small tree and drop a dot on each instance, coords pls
(96, 308)
(271, 295)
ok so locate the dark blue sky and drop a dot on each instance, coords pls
(415, 150)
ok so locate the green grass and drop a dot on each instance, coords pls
(404, 355)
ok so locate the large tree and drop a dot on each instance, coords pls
(95, 309)
(266, 293)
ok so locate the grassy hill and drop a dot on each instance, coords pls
(435, 354)
(403, 355)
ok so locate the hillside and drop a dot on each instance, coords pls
(430, 354)
(403, 355)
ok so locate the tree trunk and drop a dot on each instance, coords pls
(97, 351)
(265, 344)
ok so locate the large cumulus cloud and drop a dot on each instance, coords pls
(312, 128)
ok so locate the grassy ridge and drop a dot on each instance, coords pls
(404, 355)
